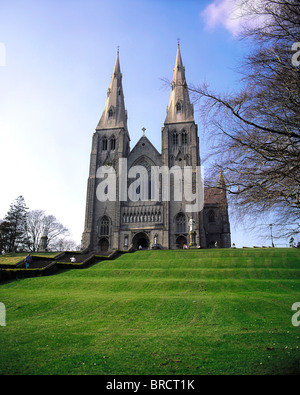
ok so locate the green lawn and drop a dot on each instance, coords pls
(157, 312)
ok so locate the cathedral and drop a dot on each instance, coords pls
(124, 212)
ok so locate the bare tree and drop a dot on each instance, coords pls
(34, 228)
(63, 244)
(54, 229)
(37, 223)
(257, 130)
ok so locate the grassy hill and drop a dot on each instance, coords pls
(157, 312)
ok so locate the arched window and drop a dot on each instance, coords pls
(178, 107)
(104, 227)
(175, 138)
(110, 113)
(180, 223)
(104, 143)
(211, 216)
(113, 143)
(184, 138)
(144, 187)
(171, 160)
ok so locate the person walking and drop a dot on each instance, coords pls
(28, 260)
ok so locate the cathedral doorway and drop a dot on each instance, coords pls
(181, 241)
(104, 244)
(141, 241)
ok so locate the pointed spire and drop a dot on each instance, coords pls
(222, 186)
(180, 108)
(114, 114)
(222, 180)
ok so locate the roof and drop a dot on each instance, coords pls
(213, 195)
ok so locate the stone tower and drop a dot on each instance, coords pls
(110, 143)
(180, 147)
(130, 213)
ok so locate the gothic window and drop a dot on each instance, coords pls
(175, 138)
(172, 160)
(113, 143)
(149, 188)
(211, 216)
(145, 185)
(180, 223)
(104, 143)
(178, 107)
(184, 138)
(104, 227)
(110, 113)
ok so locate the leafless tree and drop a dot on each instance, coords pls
(37, 223)
(257, 130)
(63, 244)
(34, 228)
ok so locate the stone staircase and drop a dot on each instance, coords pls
(43, 266)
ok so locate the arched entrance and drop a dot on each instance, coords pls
(141, 241)
(103, 244)
(181, 241)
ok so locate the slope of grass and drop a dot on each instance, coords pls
(157, 312)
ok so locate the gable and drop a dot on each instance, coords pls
(144, 149)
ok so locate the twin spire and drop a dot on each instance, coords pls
(114, 114)
(179, 109)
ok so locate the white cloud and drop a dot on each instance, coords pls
(229, 14)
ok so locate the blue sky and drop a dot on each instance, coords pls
(56, 60)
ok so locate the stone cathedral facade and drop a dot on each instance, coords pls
(142, 221)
